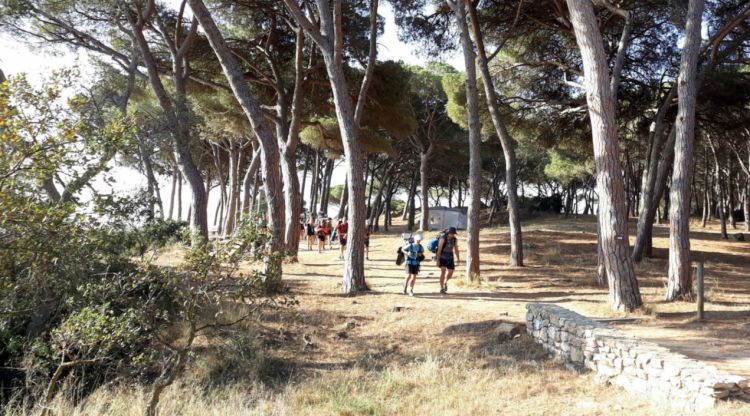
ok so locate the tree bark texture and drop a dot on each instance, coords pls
(719, 188)
(475, 127)
(679, 281)
(248, 181)
(329, 37)
(176, 112)
(344, 199)
(269, 149)
(424, 188)
(234, 189)
(623, 287)
(507, 141)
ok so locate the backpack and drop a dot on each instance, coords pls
(435, 243)
(400, 257)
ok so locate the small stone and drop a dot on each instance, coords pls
(671, 369)
(576, 355)
(656, 363)
(723, 385)
(720, 394)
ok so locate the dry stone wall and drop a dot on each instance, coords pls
(639, 366)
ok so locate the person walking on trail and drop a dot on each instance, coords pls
(368, 231)
(447, 247)
(341, 231)
(414, 255)
(321, 232)
(310, 234)
(329, 233)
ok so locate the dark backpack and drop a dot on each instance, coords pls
(400, 257)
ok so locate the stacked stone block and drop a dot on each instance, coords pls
(639, 366)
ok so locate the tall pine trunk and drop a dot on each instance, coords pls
(176, 112)
(717, 184)
(475, 127)
(248, 181)
(679, 281)
(508, 144)
(424, 189)
(410, 196)
(328, 34)
(172, 195)
(623, 287)
(343, 201)
(234, 189)
(268, 146)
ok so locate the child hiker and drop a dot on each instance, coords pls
(414, 255)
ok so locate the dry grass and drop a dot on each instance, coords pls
(382, 353)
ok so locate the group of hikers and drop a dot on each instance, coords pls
(445, 247)
(322, 231)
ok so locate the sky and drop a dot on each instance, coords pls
(37, 63)
(18, 57)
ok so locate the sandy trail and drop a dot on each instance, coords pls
(560, 264)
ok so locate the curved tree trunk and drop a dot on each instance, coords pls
(176, 112)
(509, 152)
(328, 34)
(269, 149)
(424, 188)
(234, 189)
(152, 183)
(292, 202)
(344, 199)
(409, 206)
(623, 286)
(475, 127)
(247, 182)
(288, 138)
(679, 282)
(717, 183)
(172, 195)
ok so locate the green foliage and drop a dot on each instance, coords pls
(335, 194)
(397, 205)
(156, 234)
(567, 169)
(454, 85)
(324, 134)
(388, 106)
(44, 136)
(96, 332)
(72, 291)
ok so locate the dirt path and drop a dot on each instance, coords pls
(560, 258)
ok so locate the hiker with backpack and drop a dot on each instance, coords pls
(341, 230)
(368, 232)
(414, 254)
(447, 246)
(322, 231)
(310, 234)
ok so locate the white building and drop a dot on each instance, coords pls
(444, 217)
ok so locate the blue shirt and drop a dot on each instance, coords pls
(412, 252)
